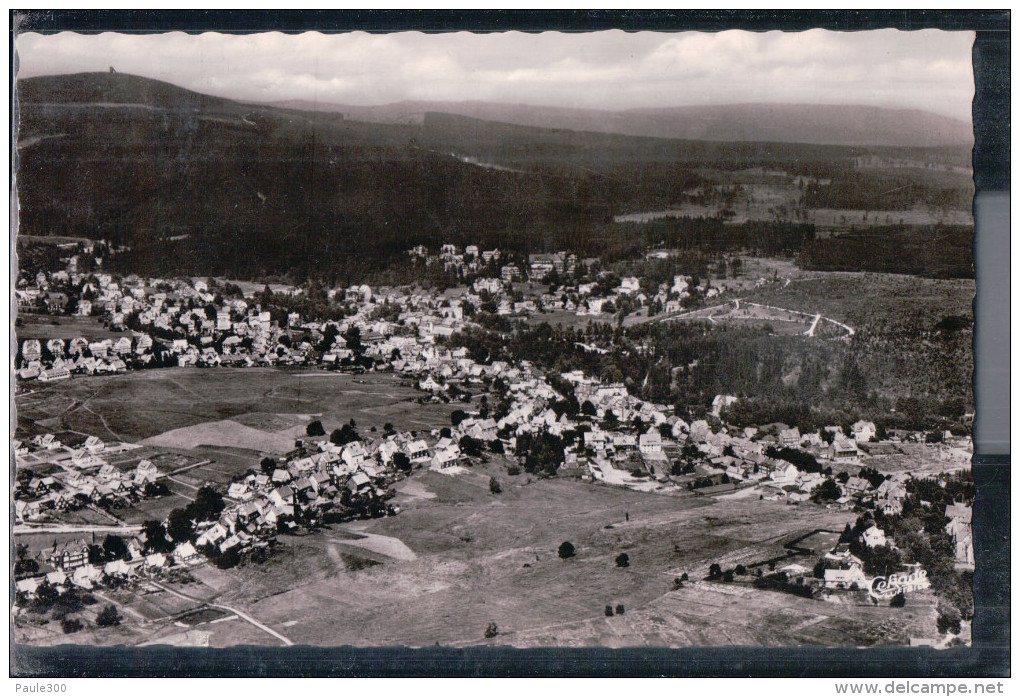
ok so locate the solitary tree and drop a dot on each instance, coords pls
(315, 429)
(619, 609)
(179, 525)
(622, 560)
(491, 631)
(267, 465)
(566, 550)
(494, 486)
(609, 610)
(714, 572)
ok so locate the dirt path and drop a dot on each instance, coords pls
(244, 616)
(122, 606)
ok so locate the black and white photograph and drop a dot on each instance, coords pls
(593, 339)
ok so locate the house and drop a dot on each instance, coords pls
(845, 579)
(213, 536)
(417, 451)
(785, 474)
(31, 350)
(445, 459)
(863, 431)
(485, 430)
(359, 483)
(56, 578)
(71, 555)
(118, 568)
(46, 441)
(789, 437)
(87, 576)
(963, 539)
(156, 561)
(844, 451)
(54, 374)
(650, 443)
(282, 496)
(28, 586)
(122, 345)
(856, 486)
(720, 402)
(874, 537)
(145, 472)
(185, 553)
(94, 444)
(239, 491)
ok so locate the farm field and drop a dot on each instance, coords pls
(225, 407)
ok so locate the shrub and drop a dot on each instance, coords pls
(491, 631)
(740, 570)
(714, 572)
(609, 610)
(948, 621)
(566, 550)
(898, 600)
(71, 625)
(623, 561)
(494, 486)
(619, 609)
(108, 617)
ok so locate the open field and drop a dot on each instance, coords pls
(457, 558)
(828, 220)
(140, 405)
(49, 327)
(863, 298)
(406, 579)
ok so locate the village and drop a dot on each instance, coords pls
(553, 425)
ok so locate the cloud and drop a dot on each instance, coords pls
(926, 69)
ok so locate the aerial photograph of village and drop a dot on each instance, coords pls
(530, 340)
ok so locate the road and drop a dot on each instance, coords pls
(244, 616)
(50, 529)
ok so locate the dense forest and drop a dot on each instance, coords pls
(199, 185)
(937, 251)
(779, 377)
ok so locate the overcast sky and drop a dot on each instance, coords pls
(927, 69)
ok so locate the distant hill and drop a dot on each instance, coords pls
(201, 185)
(822, 124)
(114, 89)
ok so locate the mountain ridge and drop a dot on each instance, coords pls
(821, 124)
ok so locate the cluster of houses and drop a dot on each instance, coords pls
(162, 322)
(845, 571)
(85, 478)
(71, 566)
